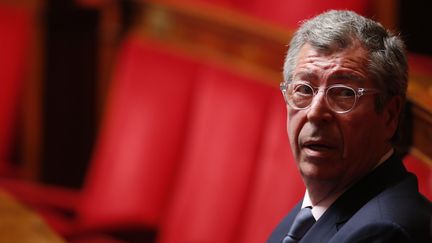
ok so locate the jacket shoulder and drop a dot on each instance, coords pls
(398, 214)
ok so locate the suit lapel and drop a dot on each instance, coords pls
(353, 199)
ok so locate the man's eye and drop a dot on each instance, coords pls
(303, 90)
(342, 92)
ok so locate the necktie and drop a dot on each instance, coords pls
(302, 223)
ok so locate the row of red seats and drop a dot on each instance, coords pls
(192, 150)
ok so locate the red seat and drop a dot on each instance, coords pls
(139, 145)
(277, 185)
(423, 171)
(15, 31)
(220, 158)
(137, 150)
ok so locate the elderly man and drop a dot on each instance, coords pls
(345, 81)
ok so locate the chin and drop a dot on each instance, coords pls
(310, 171)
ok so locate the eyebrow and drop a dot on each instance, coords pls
(347, 76)
(336, 76)
(305, 75)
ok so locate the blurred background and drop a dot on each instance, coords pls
(161, 120)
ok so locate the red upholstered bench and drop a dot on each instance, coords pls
(136, 155)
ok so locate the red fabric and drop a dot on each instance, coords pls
(289, 13)
(220, 158)
(141, 139)
(423, 171)
(137, 150)
(15, 27)
(277, 185)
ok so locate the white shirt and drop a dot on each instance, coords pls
(319, 209)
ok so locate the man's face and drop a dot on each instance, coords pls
(333, 147)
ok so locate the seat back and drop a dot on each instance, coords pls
(277, 185)
(423, 171)
(220, 157)
(15, 27)
(141, 138)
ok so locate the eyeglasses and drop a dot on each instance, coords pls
(340, 98)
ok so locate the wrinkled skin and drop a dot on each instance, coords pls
(334, 150)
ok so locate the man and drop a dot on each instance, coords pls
(345, 81)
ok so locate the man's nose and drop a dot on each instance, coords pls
(319, 109)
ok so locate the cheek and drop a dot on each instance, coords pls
(359, 135)
(294, 126)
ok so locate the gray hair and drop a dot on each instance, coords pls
(336, 30)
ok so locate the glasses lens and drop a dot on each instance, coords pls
(300, 95)
(341, 99)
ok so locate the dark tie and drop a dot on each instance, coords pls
(302, 223)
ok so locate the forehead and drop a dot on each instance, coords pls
(350, 63)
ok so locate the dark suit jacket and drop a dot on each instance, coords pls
(384, 206)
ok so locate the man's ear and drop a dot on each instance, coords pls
(392, 111)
